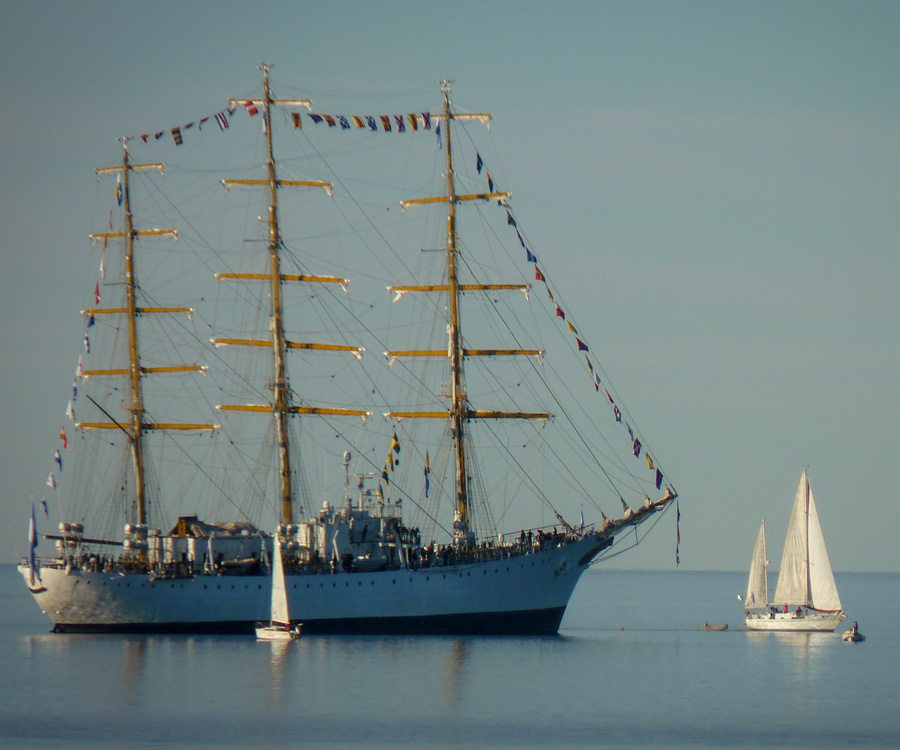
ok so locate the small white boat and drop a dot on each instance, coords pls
(806, 598)
(279, 627)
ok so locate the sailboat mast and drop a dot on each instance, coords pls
(765, 564)
(806, 580)
(458, 391)
(281, 386)
(137, 401)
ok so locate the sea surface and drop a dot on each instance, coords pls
(631, 668)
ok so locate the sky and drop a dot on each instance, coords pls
(718, 183)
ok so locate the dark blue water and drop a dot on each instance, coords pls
(631, 669)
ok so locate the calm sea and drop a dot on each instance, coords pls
(631, 668)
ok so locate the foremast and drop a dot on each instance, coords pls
(460, 411)
(282, 406)
(137, 424)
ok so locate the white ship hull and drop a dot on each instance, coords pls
(525, 594)
(790, 622)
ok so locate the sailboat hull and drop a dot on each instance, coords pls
(790, 622)
(277, 633)
(527, 594)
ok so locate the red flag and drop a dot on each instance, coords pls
(97, 293)
(582, 347)
(560, 313)
(62, 436)
(251, 108)
(538, 276)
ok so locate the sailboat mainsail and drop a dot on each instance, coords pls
(805, 577)
(280, 615)
(758, 585)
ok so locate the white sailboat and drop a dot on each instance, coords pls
(806, 598)
(279, 627)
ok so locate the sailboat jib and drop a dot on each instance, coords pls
(823, 593)
(490, 444)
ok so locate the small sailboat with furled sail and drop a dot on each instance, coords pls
(806, 598)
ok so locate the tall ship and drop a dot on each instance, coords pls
(262, 401)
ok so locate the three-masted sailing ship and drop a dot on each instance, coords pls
(358, 564)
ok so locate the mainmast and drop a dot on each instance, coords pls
(457, 384)
(137, 425)
(282, 406)
(459, 412)
(281, 386)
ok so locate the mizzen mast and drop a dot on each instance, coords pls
(282, 406)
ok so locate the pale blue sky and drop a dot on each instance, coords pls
(718, 182)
